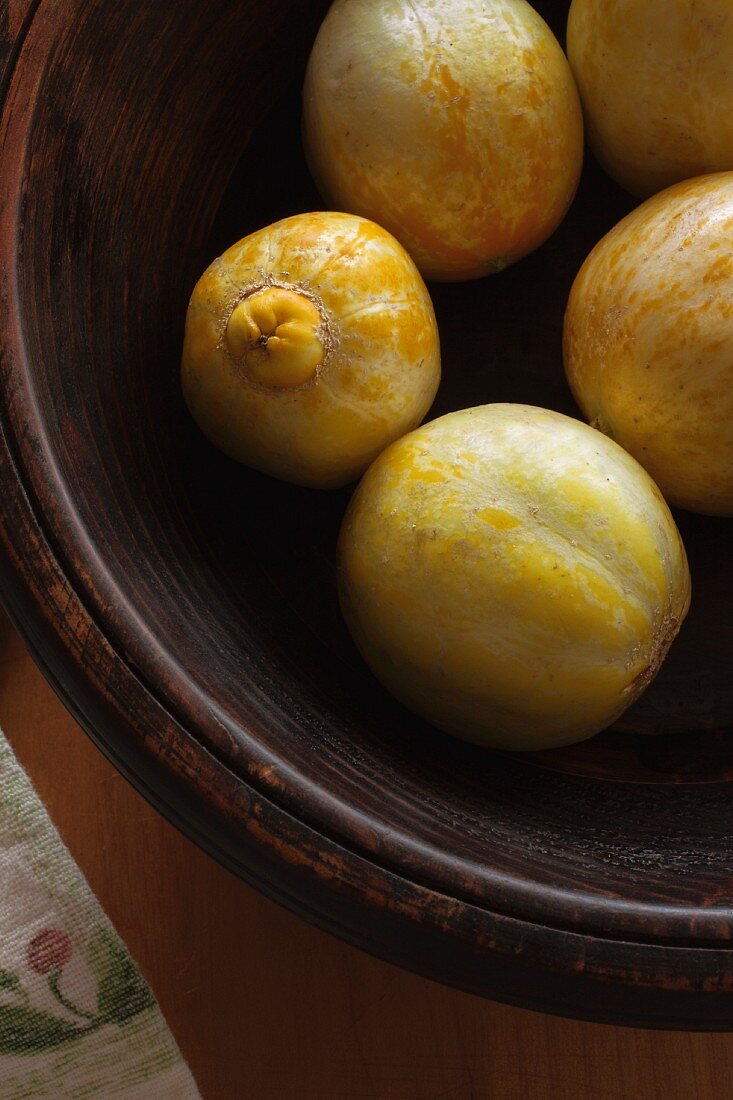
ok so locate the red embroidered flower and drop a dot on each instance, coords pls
(49, 950)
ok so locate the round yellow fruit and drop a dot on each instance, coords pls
(512, 575)
(655, 80)
(454, 123)
(649, 340)
(310, 345)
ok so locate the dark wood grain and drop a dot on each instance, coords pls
(185, 608)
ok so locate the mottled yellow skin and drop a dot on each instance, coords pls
(649, 340)
(310, 345)
(655, 80)
(455, 124)
(512, 575)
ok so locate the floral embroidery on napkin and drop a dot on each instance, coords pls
(77, 1020)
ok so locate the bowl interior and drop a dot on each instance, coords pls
(219, 582)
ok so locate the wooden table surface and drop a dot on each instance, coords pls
(266, 1007)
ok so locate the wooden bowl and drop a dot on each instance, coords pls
(185, 608)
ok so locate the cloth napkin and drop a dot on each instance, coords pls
(76, 1018)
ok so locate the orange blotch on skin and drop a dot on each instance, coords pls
(720, 271)
(498, 518)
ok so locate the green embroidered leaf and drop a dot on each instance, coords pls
(121, 993)
(26, 1030)
(11, 982)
